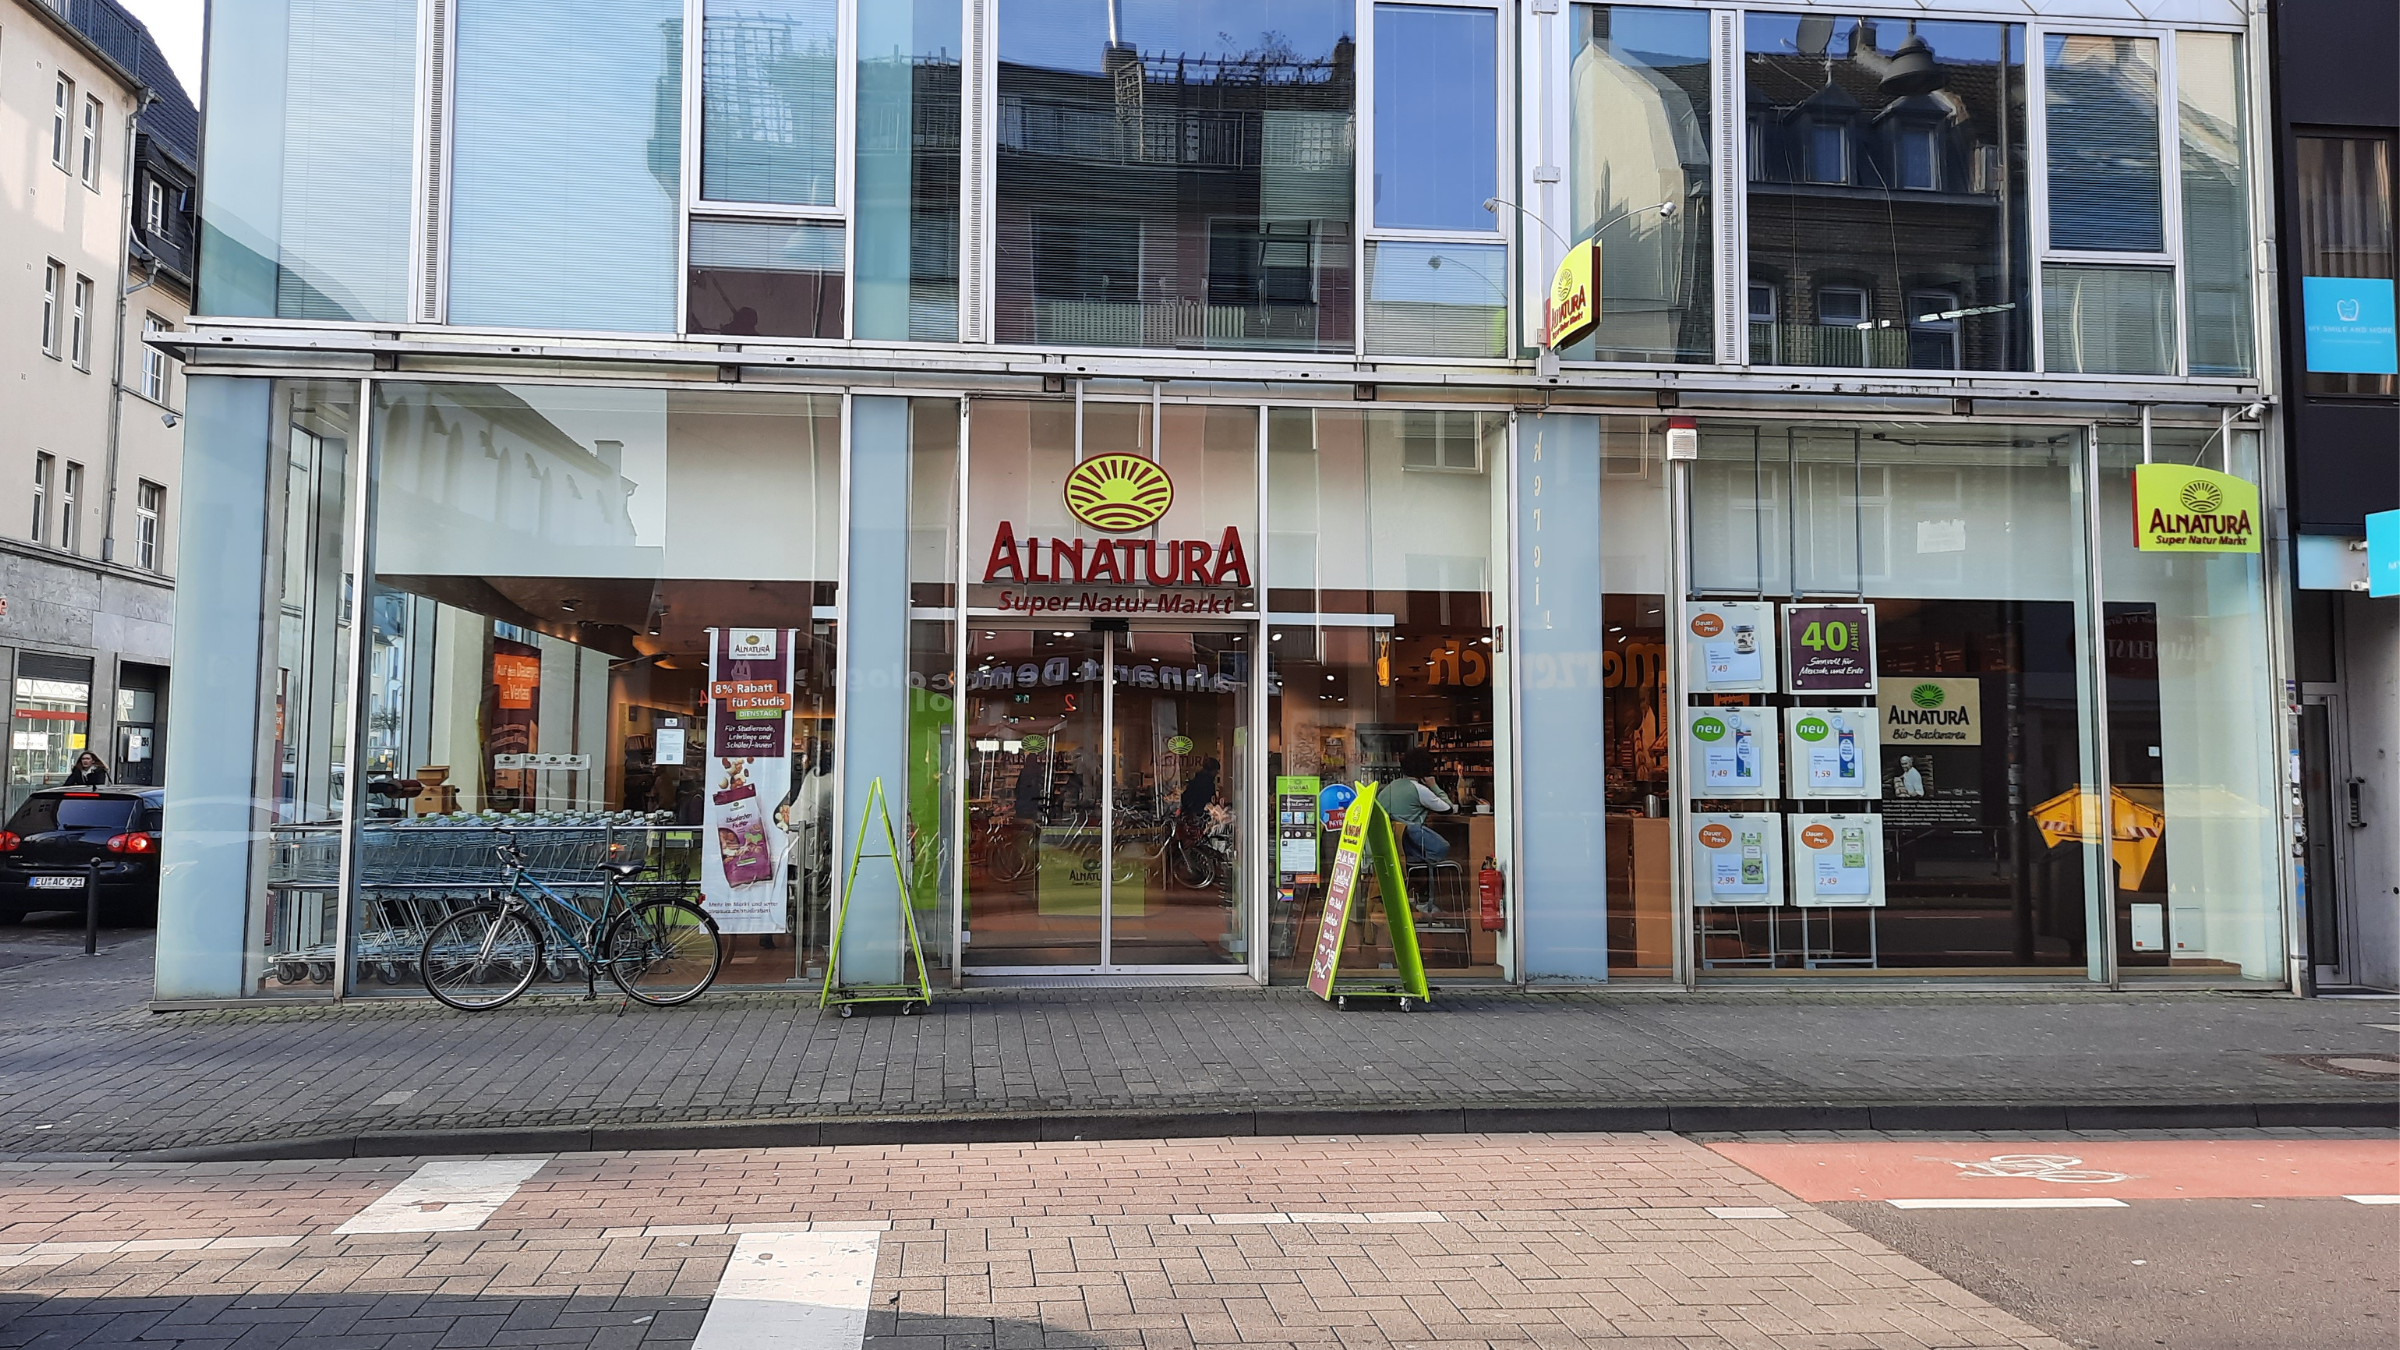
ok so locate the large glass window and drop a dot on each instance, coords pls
(769, 101)
(2108, 320)
(1382, 534)
(2196, 848)
(2214, 122)
(604, 622)
(2345, 197)
(50, 722)
(2100, 97)
(568, 164)
(908, 147)
(1437, 141)
(308, 200)
(1887, 172)
(1638, 180)
(1176, 176)
(1966, 543)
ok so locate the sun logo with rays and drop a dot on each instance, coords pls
(1119, 493)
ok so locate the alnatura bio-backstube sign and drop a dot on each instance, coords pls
(1574, 305)
(2180, 509)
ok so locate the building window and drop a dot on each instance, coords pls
(1843, 330)
(44, 466)
(154, 209)
(771, 278)
(62, 107)
(154, 361)
(1867, 133)
(1142, 171)
(149, 501)
(1640, 91)
(2213, 125)
(1437, 163)
(770, 81)
(2101, 110)
(70, 520)
(1932, 330)
(1763, 350)
(80, 337)
(2346, 254)
(54, 280)
(2108, 320)
(90, 156)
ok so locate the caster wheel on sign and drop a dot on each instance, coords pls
(1408, 1005)
(1341, 1000)
(908, 1010)
(846, 1010)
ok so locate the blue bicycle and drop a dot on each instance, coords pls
(660, 951)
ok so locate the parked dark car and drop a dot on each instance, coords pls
(50, 845)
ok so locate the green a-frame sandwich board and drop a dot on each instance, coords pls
(845, 997)
(1367, 833)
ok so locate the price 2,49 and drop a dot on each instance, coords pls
(1829, 637)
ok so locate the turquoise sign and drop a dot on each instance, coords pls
(2349, 325)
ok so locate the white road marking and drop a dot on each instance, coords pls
(1746, 1212)
(1317, 1216)
(793, 1291)
(2032, 1202)
(2374, 1199)
(445, 1197)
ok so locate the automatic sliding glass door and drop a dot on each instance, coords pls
(1104, 774)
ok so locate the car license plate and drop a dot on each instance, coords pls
(65, 883)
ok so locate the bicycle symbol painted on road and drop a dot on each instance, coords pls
(2038, 1167)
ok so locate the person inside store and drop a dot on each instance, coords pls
(88, 771)
(1200, 792)
(1411, 797)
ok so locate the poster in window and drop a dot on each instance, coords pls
(1731, 647)
(1836, 859)
(1737, 858)
(1733, 752)
(749, 769)
(1832, 752)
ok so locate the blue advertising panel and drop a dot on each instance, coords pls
(2349, 323)
(2383, 553)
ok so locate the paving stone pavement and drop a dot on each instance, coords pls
(1529, 1242)
(87, 1068)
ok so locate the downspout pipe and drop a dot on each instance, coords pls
(143, 98)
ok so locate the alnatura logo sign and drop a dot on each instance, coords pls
(2179, 509)
(1574, 306)
(1932, 710)
(1119, 493)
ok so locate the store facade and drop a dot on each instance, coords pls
(1110, 436)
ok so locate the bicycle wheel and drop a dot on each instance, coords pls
(480, 958)
(1015, 856)
(663, 952)
(1192, 865)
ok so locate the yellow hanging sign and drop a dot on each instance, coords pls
(2180, 509)
(1574, 306)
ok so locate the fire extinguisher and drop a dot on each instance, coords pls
(1489, 890)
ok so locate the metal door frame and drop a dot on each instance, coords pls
(2337, 973)
(1247, 892)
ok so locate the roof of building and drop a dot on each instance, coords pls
(172, 120)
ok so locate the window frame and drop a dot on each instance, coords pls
(89, 143)
(45, 466)
(62, 104)
(154, 362)
(2296, 201)
(696, 207)
(150, 500)
(1363, 229)
(154, 208)
(54, 281)
(79, 345)
(70, 490)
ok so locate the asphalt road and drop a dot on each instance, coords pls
(2185, 1274)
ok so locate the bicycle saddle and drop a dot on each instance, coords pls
(625, 871)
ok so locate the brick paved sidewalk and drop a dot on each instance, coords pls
(1531, 1242)
(86, 1068)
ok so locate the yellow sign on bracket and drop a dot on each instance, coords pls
(2180, 509)
(1574, 306)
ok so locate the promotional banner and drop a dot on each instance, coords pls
(2348, 325)
(1734, 751)
(1832, 752)
(1836, 859)
(1737, 859)
(1732, 648)
(1829, 649)
(749, 768)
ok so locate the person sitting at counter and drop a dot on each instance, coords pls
(1409, 799)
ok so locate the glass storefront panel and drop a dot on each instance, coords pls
(50, 722)
(2195, 852)
(605, 629)
(313, 432)
(1973, 755)
(1636, 710)
(1887, 193)
(1641, 96)
(907, 188)
(1176, 176)
(1384, 580)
